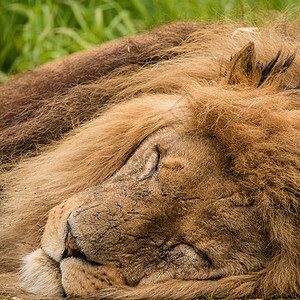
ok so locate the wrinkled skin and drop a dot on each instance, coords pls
(171, 212)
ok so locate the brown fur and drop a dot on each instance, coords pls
(179, 75)
(34, 107)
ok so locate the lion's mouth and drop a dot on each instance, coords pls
(71, 247)
(73, 250)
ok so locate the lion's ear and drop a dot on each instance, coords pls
(243, 68)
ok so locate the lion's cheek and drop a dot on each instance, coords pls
(81, 278)
(40, 275)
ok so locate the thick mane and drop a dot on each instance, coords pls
(46, 103)
(181, 84)
(263, 141)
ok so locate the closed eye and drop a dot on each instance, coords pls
(153, 164)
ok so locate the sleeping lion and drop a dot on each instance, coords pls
(162, 166)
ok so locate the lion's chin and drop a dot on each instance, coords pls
(41, 275)
(75, 277)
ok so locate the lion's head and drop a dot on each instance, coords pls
(179, 177)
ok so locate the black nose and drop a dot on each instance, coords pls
(71, 248)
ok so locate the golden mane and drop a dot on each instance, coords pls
(185, 87)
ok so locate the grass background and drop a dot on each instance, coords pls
(33, 32)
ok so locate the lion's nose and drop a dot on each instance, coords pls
(71, 248)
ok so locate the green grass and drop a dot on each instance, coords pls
(33, 32)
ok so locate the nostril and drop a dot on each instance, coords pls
(71, 248)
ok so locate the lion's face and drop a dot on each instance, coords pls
(171, 212)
